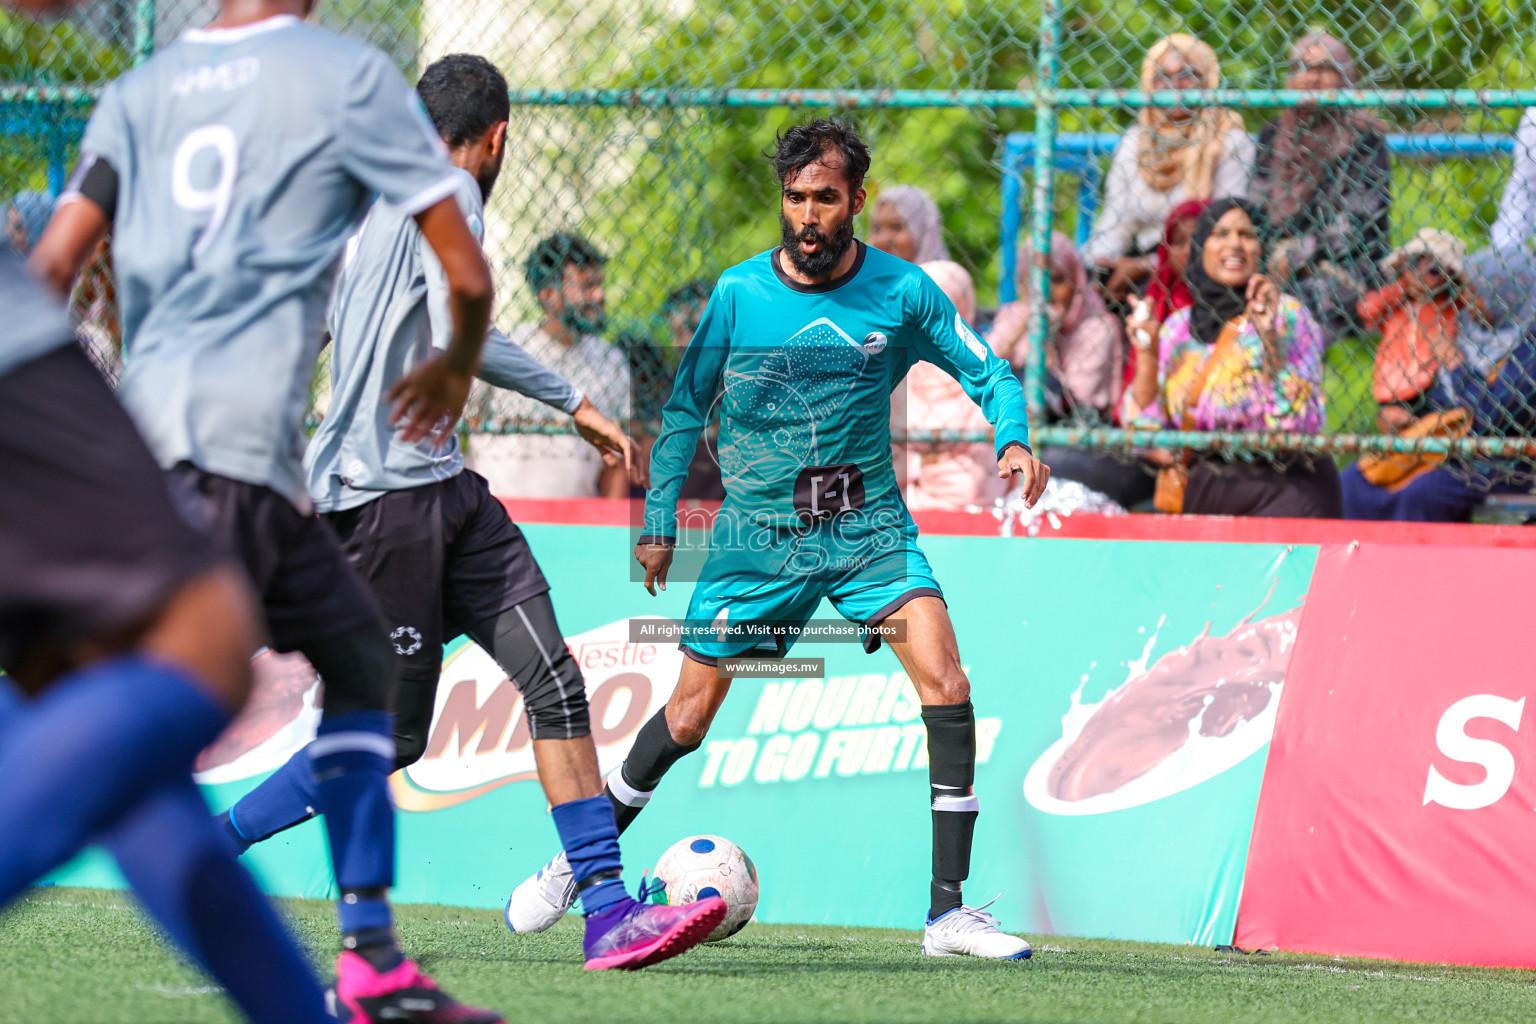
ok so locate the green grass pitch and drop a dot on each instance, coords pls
(79, 956)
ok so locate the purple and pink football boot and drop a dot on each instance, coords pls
(630, 935)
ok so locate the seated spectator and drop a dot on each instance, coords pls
(906, 224)
(1244, 357)
(1084, 351)
(1505, 281)
(565, 272)
(1168, 291)
(26, 215)
(1170, 155)
(1485, 387)
(943, 475)
(652, 365)
(1516, 222)
(652, 370)
(1325, 184)
(1416, 316)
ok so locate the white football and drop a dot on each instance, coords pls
(702, 866)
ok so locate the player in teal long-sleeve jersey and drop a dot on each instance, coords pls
(800, 348)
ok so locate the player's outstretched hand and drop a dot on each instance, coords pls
(429, 400)
(612, 443)
(657, 559)
(1034, 472)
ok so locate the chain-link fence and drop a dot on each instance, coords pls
(1375, 151)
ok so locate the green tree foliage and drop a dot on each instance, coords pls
(47, 53)
(696, 194)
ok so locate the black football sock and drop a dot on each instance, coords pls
(951, 775)
(654, 752)
(377, 945)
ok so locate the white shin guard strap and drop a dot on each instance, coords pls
(627, 795)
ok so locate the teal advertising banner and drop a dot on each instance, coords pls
(1125, 694)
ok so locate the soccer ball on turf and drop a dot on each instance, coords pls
(702, 866)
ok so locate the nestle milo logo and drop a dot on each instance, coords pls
(841, 726)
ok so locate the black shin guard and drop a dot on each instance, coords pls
(654, 752)
(951, 775)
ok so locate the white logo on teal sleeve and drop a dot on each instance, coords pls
(978, 349)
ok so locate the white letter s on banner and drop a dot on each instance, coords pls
(1453, 741)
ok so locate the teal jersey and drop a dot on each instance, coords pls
(803, 375)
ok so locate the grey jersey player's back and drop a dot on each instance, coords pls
(245, 158)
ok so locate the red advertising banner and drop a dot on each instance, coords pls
(1397, 817)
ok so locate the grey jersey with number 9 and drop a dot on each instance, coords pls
(245, 158)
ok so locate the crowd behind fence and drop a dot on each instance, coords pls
(1378, 144)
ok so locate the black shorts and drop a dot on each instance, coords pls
(308, 591)
(90, 541)
(440, 559)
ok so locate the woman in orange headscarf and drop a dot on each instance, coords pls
(1171, 155)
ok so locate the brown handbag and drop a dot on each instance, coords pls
(1395, 470)
(1168, 495)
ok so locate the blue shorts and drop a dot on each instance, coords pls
(773, 577)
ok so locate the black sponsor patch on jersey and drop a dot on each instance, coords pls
(822, 492)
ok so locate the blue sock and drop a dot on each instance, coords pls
(352, 756)
(284, 799)
(172, 854)
(88, 749)
(591, 840)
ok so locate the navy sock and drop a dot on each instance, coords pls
(172, 854)
(88, 749)
(591, 840)
(352, 756)
(284, 799)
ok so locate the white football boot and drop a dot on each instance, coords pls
(971, 931)
(540, 902)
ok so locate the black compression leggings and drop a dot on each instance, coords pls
(525, 640)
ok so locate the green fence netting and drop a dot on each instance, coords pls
(641, 125)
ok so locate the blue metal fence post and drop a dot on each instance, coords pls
(1048, 78)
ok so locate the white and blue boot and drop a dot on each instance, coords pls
(541, 901)
(971, 931)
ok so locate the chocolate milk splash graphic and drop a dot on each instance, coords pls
(277, 720)
(1195, 712)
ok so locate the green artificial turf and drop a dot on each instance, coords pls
(77, 955)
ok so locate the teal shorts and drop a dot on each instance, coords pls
(762, 583)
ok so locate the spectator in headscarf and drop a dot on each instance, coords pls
(1168, 290)
(943, 475)
(1083, 357)
(1325, 183)
(26, 216)
(1084, 351)
(1170, 155)
(1492, 378)
(906, 224)
(1244, 357)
